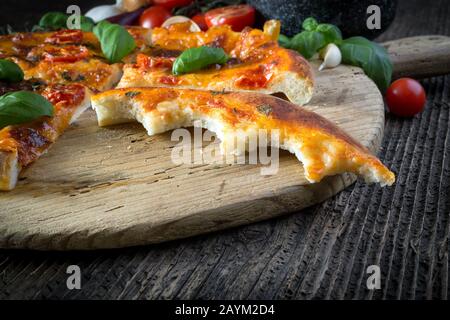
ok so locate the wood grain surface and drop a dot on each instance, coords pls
(420, 56)
(321, 252)
(115, 187)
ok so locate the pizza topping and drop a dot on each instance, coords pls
(23, 106)
(145, 62)
(10, 72)
(66, 54)
(132, 94)
(254, 78)
(198, 58)
(65, 37)
(71, 94)
(31, 141)
(165, 53)
(170, 80)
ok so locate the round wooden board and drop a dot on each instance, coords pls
(115, 187)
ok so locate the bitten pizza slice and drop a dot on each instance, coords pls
(321, 146)
(22, 144)
(256, 62)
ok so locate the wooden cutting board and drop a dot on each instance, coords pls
(116, 186)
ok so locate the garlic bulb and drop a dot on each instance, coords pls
(331, 56)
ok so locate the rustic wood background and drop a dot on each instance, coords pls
(321, 252)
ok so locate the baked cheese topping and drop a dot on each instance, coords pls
(257, 63)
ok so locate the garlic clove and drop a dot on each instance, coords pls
(180, 19)
(331, 56)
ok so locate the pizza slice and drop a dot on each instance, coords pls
(256, 62)
(67, 56)
(22, 144)
(321, 146)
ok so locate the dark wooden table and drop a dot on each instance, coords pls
(322, 252)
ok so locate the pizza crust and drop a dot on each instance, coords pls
(321, 146)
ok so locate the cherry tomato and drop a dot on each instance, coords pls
(199, 19)
(154, 17)
(237, 16)
(405, 97)
(65, 36)
(170, 4)
(66, 54)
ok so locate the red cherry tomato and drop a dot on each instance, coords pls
(405, 97)
(66, 54)
(199, 19)
(154, 17)
(237, 16)
(170, 4)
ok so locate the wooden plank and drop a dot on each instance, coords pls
(115, 187)
(420, 57)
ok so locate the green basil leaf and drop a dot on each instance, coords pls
(331, 33)
(309, 24)
(284, 41)
(198, 58)
(57, 20)
(371, 57)
(10, 72)
(86, 24)
(308, 43)
(115, 40)
(23, 106)
(53, 21)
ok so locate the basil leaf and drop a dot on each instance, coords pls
(371, 57)
(198, 58)
(86, 24)
(284, 41)
(53, 21)
(115, 40)
(23, 106)
(57, 20)
(331, 33)
(314, 37)
(10, 72)
(308, 43)
(310, 24)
